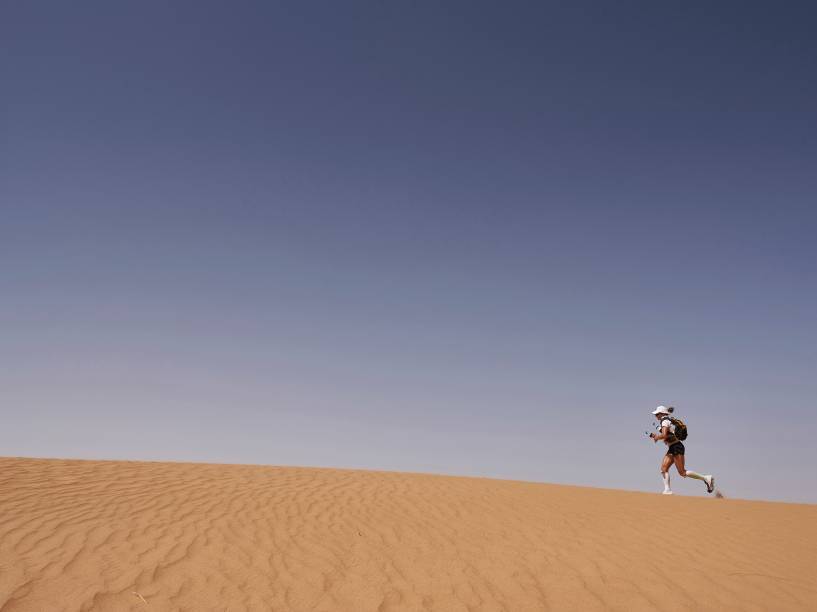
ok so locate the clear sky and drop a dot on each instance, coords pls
(459, 237)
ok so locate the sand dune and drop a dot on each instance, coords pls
(91, 535)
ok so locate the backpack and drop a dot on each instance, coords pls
(680, 428)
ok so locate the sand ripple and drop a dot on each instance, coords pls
(91, 535)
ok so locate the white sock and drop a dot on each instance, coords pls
(665, 476)
(695, 475)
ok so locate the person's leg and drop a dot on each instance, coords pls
(707, 479)
(679, 465)
(666, 464)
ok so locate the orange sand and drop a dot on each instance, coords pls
(94, 535)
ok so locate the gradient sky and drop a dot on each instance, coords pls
(460, 237)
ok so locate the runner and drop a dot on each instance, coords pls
(672, 432)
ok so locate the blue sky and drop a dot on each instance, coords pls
(466, 238)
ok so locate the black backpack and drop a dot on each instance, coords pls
(680, 428)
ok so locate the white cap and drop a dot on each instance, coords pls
(661, 410)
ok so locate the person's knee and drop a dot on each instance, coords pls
(683, 473)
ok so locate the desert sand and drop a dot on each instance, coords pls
(113, 535)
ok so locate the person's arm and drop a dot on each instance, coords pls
(661, 436)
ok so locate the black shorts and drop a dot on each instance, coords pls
(676, 448)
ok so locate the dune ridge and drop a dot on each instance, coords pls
(145, 536)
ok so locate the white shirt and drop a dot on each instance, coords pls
(667, 423)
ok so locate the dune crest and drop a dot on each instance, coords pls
(108, 535)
